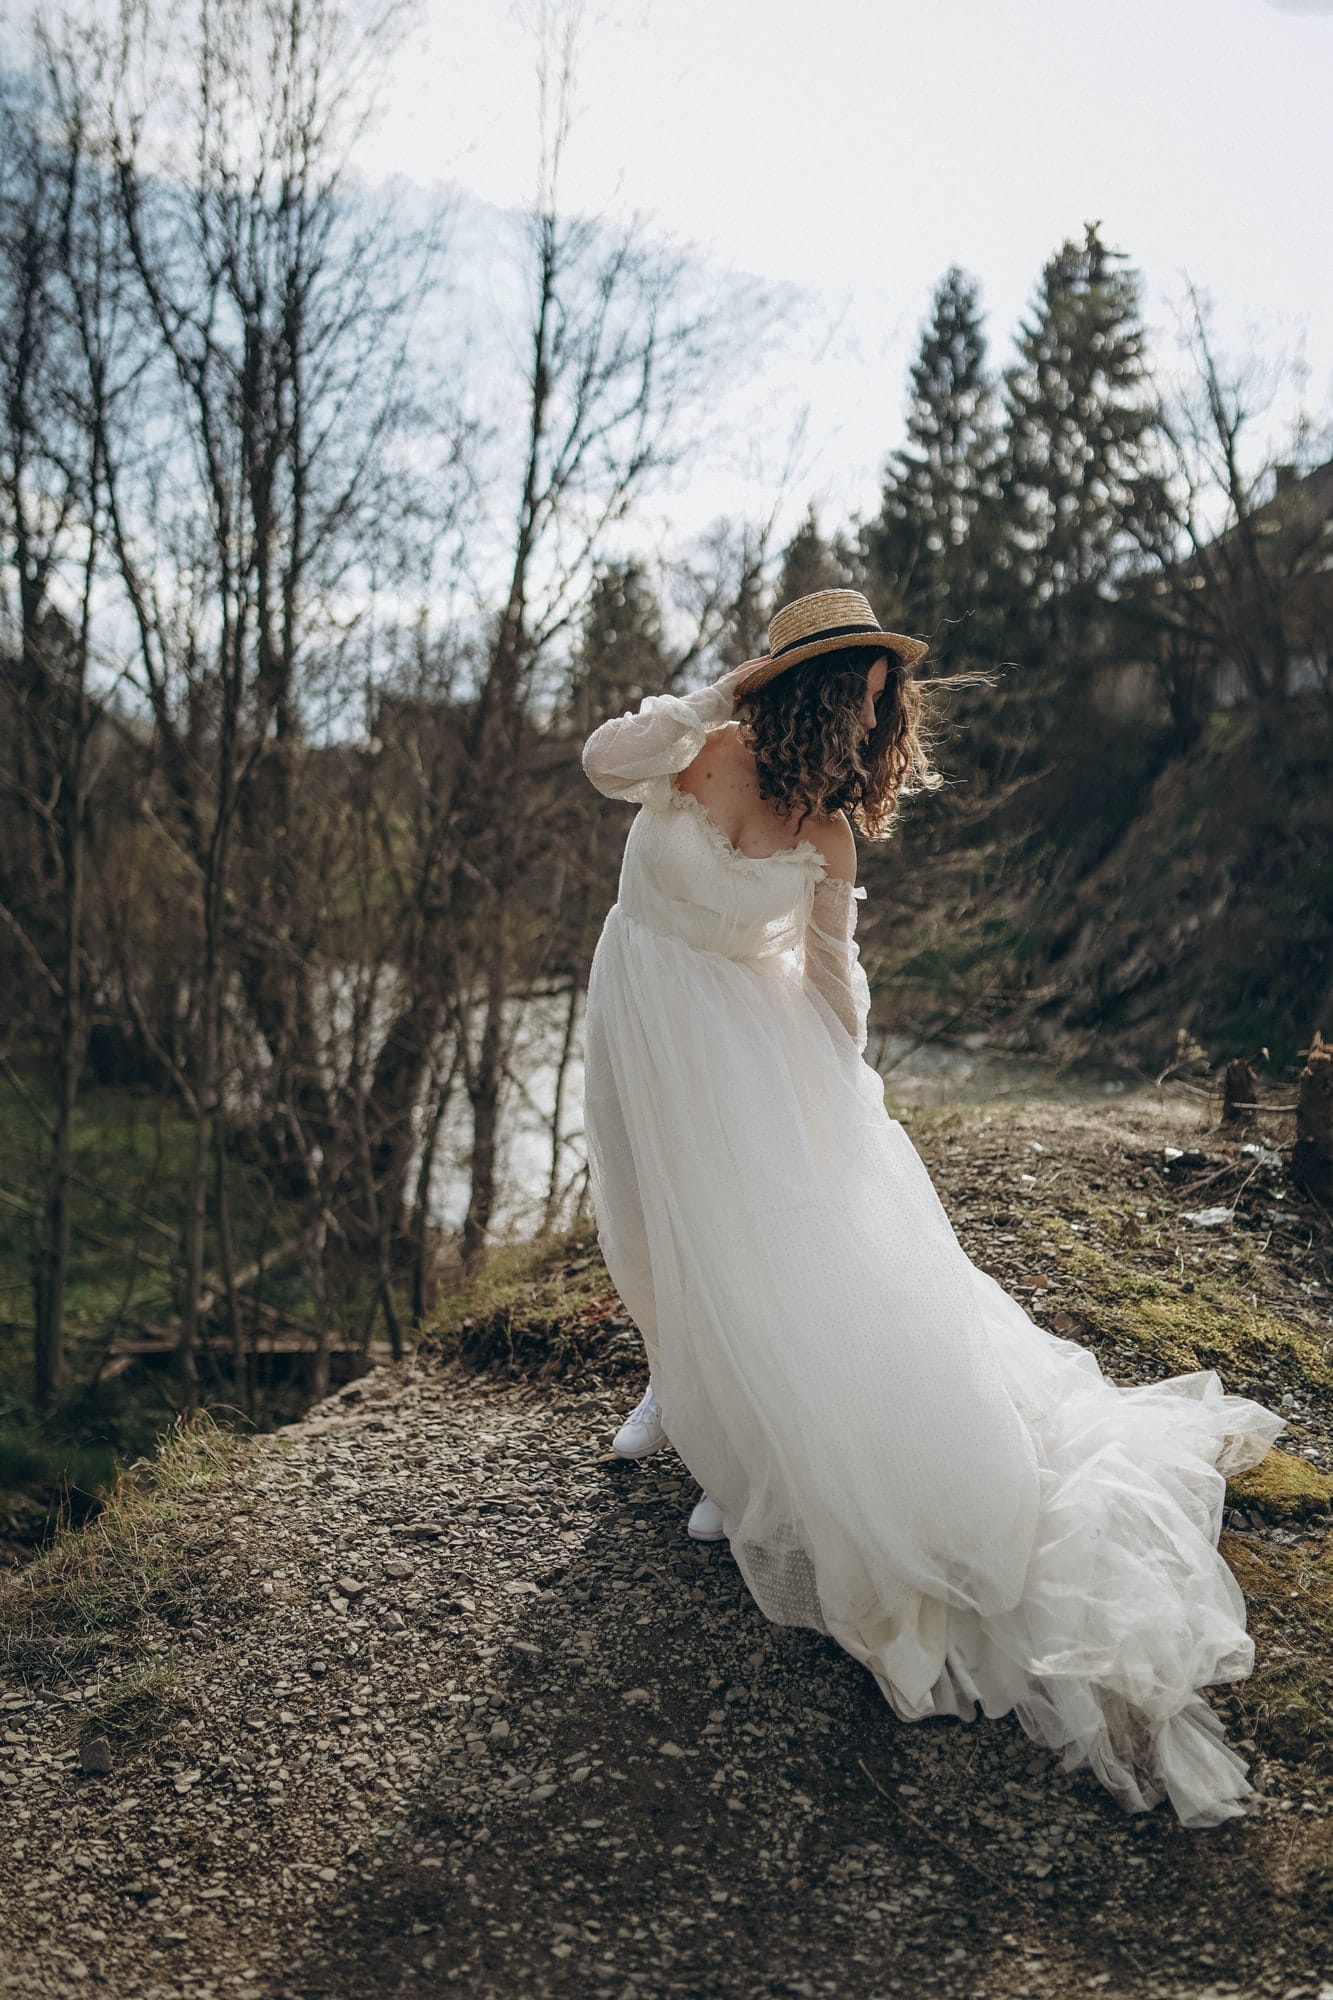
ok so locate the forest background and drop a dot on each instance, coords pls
(302, 635)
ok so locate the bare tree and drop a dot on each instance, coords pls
(318, 938)
(280, 310)
(1235, 538)
(615, 360)
(59, 302)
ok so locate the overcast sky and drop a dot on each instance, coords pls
(858, 149)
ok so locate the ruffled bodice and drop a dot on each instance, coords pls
(683, 878)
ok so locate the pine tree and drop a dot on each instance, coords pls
(925, 554)
(809, 563)
(623, 653)
(1080, 414)
(741, 556)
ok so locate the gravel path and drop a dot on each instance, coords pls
(489, 1721)
(457, 1706)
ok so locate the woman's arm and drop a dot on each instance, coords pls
(832, 959)
(633, 755)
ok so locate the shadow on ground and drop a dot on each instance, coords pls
(690, 1800)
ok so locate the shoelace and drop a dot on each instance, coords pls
(648, 1408)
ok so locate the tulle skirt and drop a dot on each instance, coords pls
(902, 1457)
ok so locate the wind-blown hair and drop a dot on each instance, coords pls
(804, 727)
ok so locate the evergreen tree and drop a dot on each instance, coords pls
(1080, 417)
(809, 563)
(623, 654)
(741, 557)
(926, 553)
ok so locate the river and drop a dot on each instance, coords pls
(915, 1074)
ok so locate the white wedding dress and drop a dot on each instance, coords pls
(903, 1459)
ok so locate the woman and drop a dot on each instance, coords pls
(899, 1456)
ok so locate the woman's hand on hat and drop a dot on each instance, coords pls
(727, 681)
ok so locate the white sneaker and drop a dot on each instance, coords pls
(642, 1429)
(705, 1523)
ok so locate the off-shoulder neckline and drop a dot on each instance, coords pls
(804, 849)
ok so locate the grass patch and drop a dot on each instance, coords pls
(146, 1705)
(538, 1310)
(132, 1160)
(146, 1553)
(511, 1272)
(31, 1461)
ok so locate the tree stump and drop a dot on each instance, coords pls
(1312, 1155)
(1240, 1089)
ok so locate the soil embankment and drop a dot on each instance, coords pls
(1106, 905)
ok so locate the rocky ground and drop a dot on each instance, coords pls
(431, 1693)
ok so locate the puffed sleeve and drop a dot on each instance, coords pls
(633, 755)
(832, 959)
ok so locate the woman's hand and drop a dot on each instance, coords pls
(726, 683)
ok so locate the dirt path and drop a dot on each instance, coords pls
(452, 1704)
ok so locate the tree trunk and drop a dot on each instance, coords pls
(1312, 1155)
(438, 1094)
(484, 1091)
(1239, 1089)
(49, 1338)
(551, 1211)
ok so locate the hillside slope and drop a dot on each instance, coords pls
(1101, 909)
(429, 1693)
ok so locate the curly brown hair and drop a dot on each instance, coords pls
(804, 727)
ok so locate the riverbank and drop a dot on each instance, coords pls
(429, 1692)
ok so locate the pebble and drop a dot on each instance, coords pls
(95, 1757)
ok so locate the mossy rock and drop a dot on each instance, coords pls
(1297, 1718)
(1284, 1487)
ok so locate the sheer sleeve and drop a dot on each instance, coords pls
(633, 755)
(832, 959)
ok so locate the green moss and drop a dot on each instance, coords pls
(1286, 1704)
(1284, 1486)
(1295, 1715)
(1212, 1326)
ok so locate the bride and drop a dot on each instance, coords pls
(898, 1455)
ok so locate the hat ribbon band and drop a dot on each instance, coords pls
(830, 632)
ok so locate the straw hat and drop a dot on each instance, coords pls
(821, 623)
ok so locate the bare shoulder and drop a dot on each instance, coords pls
(722, 757)
(723, 778)
(835, 840)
